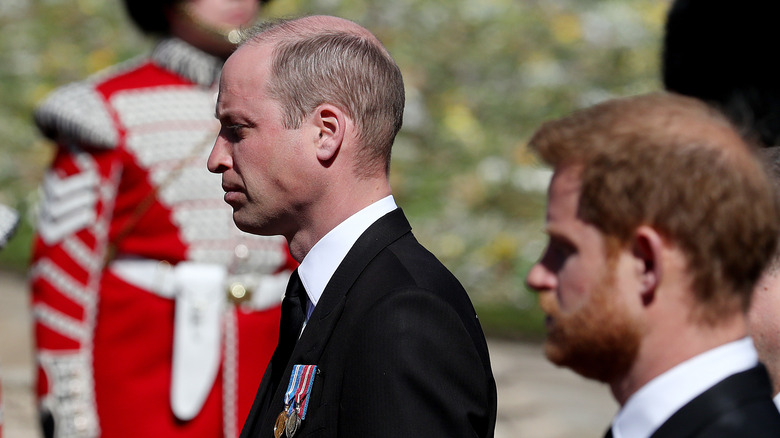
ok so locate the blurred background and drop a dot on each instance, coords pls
(480, 76)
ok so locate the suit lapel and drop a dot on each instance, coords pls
(325, 316)
(327, 313)
(729, 394)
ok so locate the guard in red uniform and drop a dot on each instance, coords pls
(154, 315)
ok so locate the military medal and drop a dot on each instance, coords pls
(281, 421)
(280, 425)
(296, 401)
(293, 422)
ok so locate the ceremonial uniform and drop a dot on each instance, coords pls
(154, 315)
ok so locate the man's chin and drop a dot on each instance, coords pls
(255, 224)
(555, 353)
(242, 222)
(245, 228)
(585, 366)
(602, 359)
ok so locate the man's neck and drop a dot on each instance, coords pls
(657, 401)
(670, 346)
(329, 213)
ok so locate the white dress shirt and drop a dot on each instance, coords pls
(650, 407)
(326, 255)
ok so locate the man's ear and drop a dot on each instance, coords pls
(647, 248)
(331, 123)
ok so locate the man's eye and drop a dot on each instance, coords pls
(557, 253)
(233, 133)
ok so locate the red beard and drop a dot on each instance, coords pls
(599, 340)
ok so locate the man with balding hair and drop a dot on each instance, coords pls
(378, 339)
(660, 221)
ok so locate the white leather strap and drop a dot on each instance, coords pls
(158, 278)
(196, 336)
(150, 275)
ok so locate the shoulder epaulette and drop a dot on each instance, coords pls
(78, 112)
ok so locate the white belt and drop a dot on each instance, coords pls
(201, 295)
(159, 278)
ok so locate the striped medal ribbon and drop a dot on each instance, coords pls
(300, 403)
(281, 419)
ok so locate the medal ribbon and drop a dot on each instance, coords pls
(292, 386)
(303, 386)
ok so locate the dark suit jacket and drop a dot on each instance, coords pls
(739, 406)
(399, 349)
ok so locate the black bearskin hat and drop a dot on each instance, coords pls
(149, 15)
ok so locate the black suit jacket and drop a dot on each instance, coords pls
(739, 406)
(399, 349)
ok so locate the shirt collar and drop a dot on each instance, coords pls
(326, 255)
(659, 399)
(187, 61)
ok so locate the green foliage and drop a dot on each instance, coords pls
(481, 76)
(503, 320)
(15, 255)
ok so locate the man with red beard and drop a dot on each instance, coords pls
(660, 221)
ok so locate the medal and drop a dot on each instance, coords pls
(293, 422)
(281, 420)
(280, 425)
(296, 401)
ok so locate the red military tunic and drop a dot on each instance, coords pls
(135, 250)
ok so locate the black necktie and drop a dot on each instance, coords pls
(609, 433)
(293, 311)
(293, 315)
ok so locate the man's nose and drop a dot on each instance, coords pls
(540, 278)
(220, 159)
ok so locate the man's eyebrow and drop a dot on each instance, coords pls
(554, 233)
(220, 117)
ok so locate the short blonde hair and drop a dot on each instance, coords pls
(348, 68)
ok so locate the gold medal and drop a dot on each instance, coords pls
(280, 425)
(293, 422)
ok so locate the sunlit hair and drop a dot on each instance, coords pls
(352, 71)
(672, 163)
